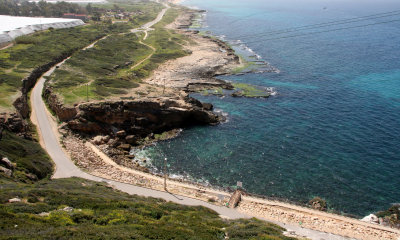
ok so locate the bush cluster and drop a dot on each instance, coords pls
(98, 211)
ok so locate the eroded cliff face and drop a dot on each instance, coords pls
(63, 113)
(141, 117)
(138, 118)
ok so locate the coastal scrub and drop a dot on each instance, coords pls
(75, 208)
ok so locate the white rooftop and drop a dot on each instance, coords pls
(9, 23)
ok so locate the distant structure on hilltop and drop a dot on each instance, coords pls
(82, 17)
(12, 27)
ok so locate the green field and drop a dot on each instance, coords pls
(105, 68)
(113, 66)
(32, 51)
(41, 48)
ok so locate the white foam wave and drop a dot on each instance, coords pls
(142, 156)
(272, 91)
(221, 112)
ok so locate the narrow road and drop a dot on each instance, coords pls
(147, 27)
(65, 168)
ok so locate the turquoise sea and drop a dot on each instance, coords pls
(333, 128)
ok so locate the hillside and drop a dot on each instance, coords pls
(75, 208)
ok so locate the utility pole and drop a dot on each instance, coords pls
(163, 88)
(165, 174)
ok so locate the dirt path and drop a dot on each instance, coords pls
(147, 27)
(7, 46)
(146, 58)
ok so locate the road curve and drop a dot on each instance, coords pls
(65, 168)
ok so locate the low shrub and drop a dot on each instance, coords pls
(97, 211)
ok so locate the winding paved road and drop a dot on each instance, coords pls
(47, 129)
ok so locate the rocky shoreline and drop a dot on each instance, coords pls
(137, 120)
(99, 135)
(210, 57)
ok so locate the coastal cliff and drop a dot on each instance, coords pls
(140, 117)
(135, 117)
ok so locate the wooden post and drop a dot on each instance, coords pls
(87, 92)
(163, 91)
(235, 199)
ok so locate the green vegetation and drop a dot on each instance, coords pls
(105, 67)
(97, 211)
(144, 11)
(391, 216)
(254, 229)
(42, 8)
(39, 49)
(32, 51)
(167, 43)
(246, 65)
(247, 90)
(31, 160)
(214, 91)
(117, 63)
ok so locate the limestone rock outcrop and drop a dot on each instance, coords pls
(140, 117)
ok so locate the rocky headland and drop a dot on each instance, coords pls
(160, 106)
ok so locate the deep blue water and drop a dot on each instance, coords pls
(333, 129)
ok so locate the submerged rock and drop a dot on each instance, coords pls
(318, 204)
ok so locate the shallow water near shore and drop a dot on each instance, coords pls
(333, 129)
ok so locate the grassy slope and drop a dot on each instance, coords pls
(100, 212)
(31, 51)
(36, 50)
(166, 42)
(104, 67)
(107, 67)
(28, 155)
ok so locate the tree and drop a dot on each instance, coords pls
(89, 8)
